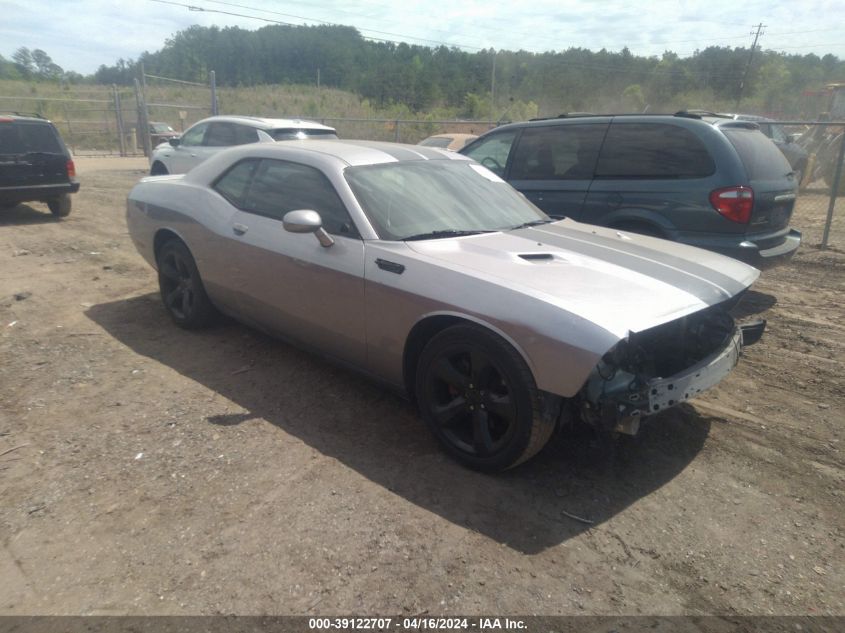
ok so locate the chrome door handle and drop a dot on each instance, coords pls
(239, 229)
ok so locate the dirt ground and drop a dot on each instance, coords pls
(148, 470)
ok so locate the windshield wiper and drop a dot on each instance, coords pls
(525, 225)
(433, 235)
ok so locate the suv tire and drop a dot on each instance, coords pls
(60, 207)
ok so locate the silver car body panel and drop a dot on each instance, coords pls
(562, 294)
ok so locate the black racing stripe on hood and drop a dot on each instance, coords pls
(705, 283)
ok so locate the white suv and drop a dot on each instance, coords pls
(209, 136)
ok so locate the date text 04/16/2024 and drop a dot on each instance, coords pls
(416, 624)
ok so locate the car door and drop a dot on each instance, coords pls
(553, 166)
(289, 283)
(190, 150)
(656, 176)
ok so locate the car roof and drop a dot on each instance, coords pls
(328, 154)
(264, 123)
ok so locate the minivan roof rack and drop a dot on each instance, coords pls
(34, 115)
(564, 115)
(698, 113)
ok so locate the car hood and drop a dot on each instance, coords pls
(622, 282)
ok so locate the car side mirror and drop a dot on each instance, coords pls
(174, 141)
(307, 221)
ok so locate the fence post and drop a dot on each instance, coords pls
(118, 118)
(72, 142)
(143, 126)
(213, 77)
(837, 176)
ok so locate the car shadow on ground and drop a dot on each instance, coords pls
(25, 214)
(752, 303)
(378, 434)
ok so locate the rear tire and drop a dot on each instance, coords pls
(60, 207)
(479, 399)
(181, 287)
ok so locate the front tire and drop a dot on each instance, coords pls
(478, 397)
(181, 287)
(60, 207)
(158, 169)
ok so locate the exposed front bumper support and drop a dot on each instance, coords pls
(619, 403)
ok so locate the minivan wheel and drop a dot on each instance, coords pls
(181, 287)
(478, 397)
(60, 207)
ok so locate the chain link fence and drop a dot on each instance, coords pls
(117, 120)
(112, 120)
(816, 153)
(401, 130)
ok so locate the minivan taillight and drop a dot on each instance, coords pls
(735, 203)
(71, 169)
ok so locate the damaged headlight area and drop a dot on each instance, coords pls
(657, 368)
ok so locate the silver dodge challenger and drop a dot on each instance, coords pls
(426, 271)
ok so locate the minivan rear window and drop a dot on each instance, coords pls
(762, 158)
(653, 150)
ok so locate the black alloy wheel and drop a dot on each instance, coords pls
(478, 397)
(181, 288)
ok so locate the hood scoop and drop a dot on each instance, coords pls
(537, 257)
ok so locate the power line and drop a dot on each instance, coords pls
(199, 9)
(401, 35)
(654, 71)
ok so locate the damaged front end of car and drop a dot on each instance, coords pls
(655, 369)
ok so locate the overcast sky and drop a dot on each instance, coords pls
(82, 34)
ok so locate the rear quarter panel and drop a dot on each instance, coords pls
(195, 214)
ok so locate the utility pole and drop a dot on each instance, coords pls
(493, 89)
(756, 35)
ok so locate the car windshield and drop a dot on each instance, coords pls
(437, 197)
(161, 128)
(292, 134)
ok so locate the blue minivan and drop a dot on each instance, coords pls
(717, 183)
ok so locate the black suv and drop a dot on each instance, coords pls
(722, 186)
(35, 165)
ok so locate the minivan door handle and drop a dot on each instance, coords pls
(239, 229)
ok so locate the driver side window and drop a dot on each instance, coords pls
(280, 186)
(195, 135)
(493, 151)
